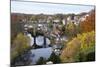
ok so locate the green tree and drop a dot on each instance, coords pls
(41, 61)
(71, 30)
(54, 58)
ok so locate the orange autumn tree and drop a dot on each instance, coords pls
(89, 23)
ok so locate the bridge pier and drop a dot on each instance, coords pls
(34, 39)
(44, 42)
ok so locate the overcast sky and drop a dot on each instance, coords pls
(47, 8)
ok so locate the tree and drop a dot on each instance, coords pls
(70, 30)
(20, 44)
(89, 23)
(68, 53)
(54, 58)
(80, 48)
(41, 61)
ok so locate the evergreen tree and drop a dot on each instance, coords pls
(41, 61)
(54, 58)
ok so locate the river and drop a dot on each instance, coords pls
(39, 52)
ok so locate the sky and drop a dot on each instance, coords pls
(47, 8)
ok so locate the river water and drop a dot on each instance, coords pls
(39, 52)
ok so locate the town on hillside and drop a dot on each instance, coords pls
(38, 39)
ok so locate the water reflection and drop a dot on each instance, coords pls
(41, 52)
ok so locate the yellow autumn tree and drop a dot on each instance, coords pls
(82, 44)
(20, 44)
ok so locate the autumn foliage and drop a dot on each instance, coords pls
(20, 44)
(82, 44)
(89, 23)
